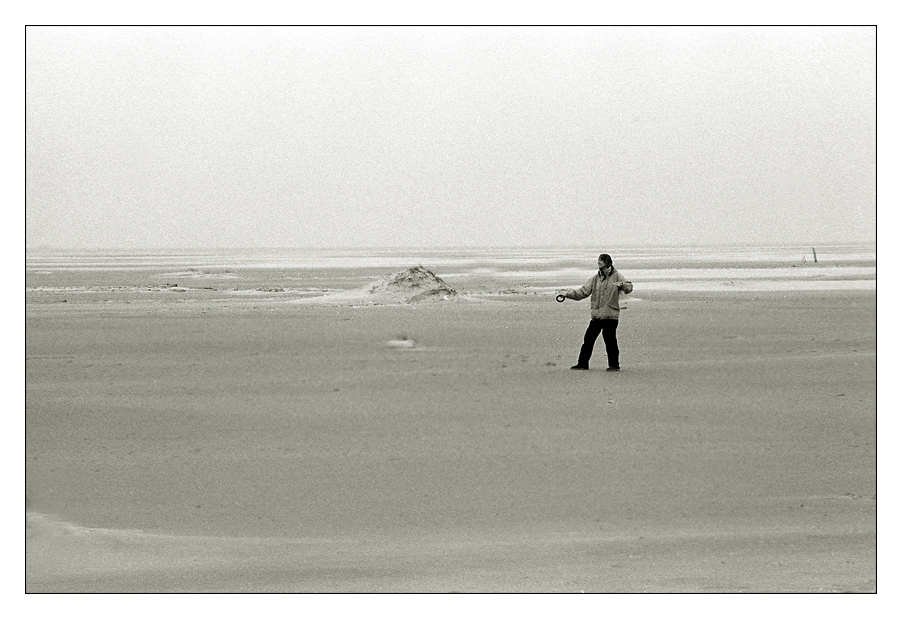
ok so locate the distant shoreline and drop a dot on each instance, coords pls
(379, 248)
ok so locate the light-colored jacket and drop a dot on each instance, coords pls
(604, 292)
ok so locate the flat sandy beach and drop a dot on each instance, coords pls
(248, 444)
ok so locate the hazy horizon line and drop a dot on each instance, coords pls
(593, 246)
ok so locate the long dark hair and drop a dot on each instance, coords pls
(606, 258)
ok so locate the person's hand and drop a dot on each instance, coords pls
(618, 284)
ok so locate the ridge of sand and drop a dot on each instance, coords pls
(412, 285)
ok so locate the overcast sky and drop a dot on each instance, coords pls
(327, 137)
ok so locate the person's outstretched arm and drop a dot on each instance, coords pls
(578, 294)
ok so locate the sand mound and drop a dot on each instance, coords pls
(412, 285)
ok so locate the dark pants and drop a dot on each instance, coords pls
(607, 327)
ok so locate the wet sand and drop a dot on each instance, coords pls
(261, 446)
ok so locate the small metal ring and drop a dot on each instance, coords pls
(560, 298)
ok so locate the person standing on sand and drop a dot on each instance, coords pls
(604, 288)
